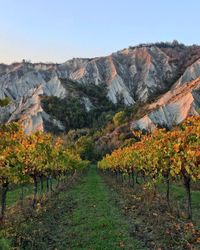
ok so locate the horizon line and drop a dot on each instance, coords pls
(138, 45)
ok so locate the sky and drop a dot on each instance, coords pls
(57, 30)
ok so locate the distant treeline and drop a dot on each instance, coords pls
(173, 44)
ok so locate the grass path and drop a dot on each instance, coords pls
(84, 217)
(96, 223)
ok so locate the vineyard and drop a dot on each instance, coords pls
(63, 202)
(168, 156)
(35, 158)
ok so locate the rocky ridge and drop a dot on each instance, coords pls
(134, 75)
(172, 108)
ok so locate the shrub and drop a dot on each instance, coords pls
(4, 102)
(4, 244)
(119, 118)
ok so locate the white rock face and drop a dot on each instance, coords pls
(5, 112)
(144, 123)
(54, 88)
(29, 111)
(172, 108)
(134, 75)
(87, 102)
(190, 74)
(116, 88)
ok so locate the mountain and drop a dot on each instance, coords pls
(172, 107)
(161, 73)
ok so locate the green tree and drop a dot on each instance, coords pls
(85, 146)
(119, 118)
(4, 102)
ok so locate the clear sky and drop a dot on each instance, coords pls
(57, 30)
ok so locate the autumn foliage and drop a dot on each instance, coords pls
(30, 158)
(166, 155)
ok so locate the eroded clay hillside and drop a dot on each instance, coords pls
(135, 75)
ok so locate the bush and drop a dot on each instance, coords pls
(4, 244)
(119, 118)
(85, 147)
(4, 102)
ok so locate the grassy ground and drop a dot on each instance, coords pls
(178, 194)
(154, 222)
(96, 223)
(96, 213)
(14, 194)
(83, 217)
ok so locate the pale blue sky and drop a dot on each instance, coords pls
(57, 30)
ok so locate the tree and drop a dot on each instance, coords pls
(85, 147)
(119, 118)
(11, 160)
